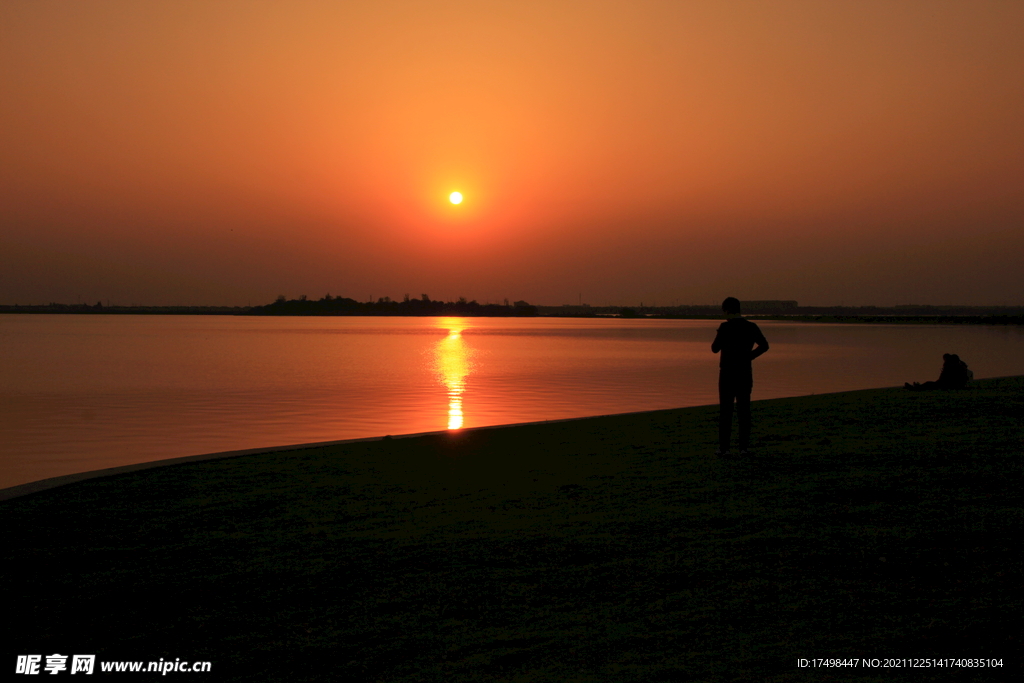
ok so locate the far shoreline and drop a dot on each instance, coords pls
(851, 316)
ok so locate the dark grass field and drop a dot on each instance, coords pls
(871, 524)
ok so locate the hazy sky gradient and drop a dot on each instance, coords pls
(227, 152)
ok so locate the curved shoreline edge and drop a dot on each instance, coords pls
(20, 490)
(28, 488)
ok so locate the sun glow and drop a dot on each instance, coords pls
(455, 197)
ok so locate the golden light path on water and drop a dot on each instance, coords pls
(453, 365)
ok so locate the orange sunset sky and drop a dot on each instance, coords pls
(227, 152)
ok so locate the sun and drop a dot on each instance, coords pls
(455, 197)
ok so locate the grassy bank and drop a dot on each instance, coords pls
(874, 524)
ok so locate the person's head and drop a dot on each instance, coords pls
(731, 306)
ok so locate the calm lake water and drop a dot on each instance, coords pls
(79, 393)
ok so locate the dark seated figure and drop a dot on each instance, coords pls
(955, 375)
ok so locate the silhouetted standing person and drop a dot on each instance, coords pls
(736, 339)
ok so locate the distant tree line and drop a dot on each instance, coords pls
(779, 310)
(791, 310)
(99, 307)
(424, 305)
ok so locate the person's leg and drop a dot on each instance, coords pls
(725, 399)
(744, 385)
(743, 416)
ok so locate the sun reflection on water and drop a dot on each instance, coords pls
(453, 365)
